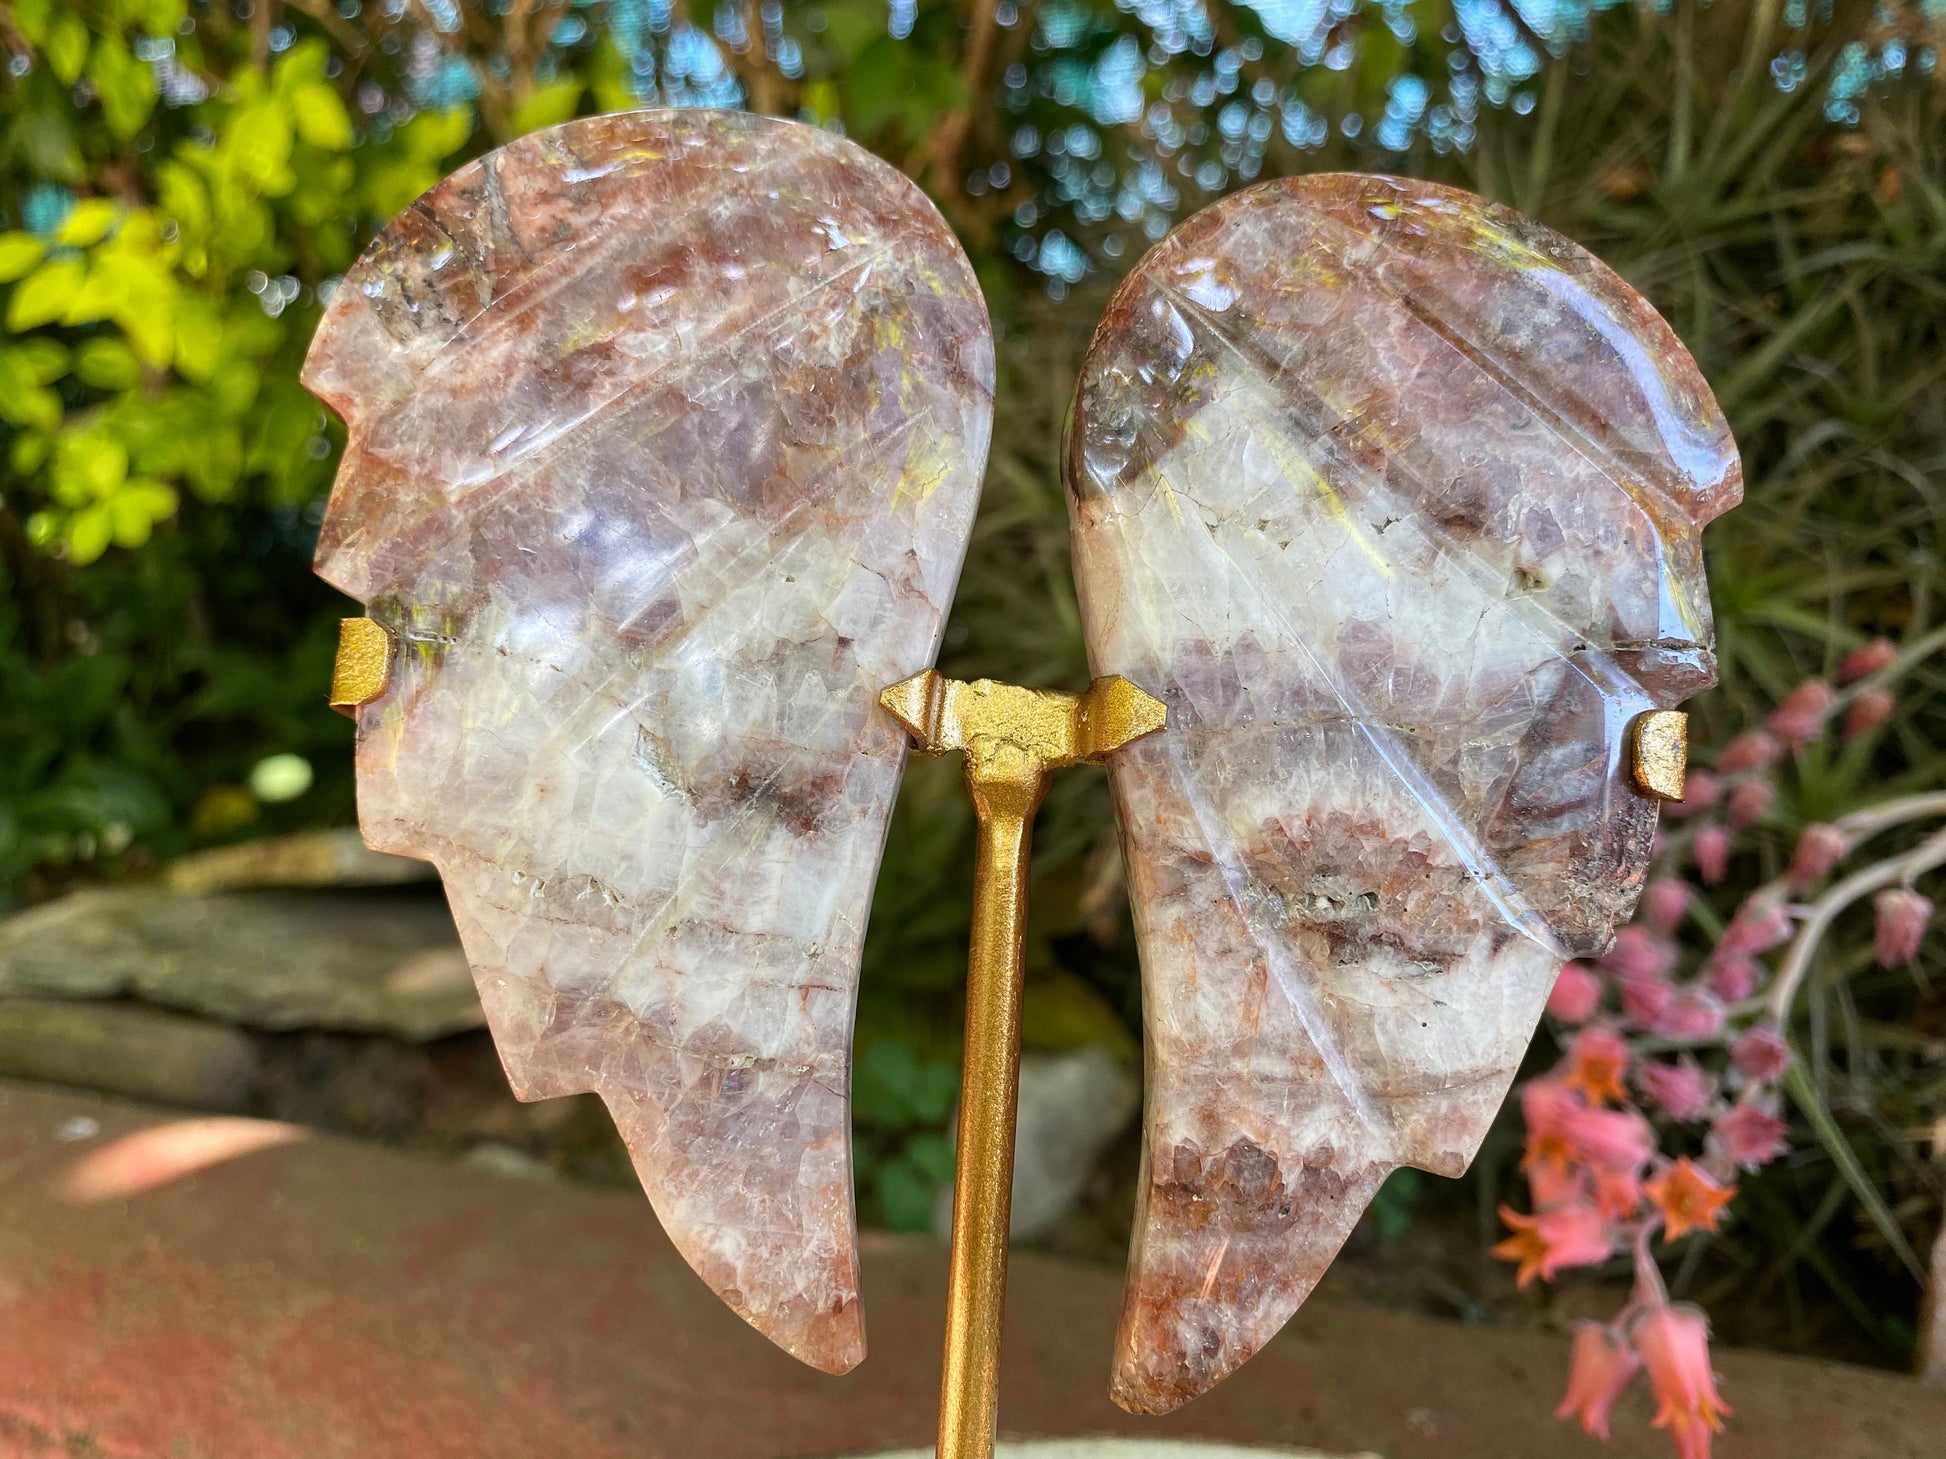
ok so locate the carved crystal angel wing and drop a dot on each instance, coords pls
(665, 435)
(1394, 497)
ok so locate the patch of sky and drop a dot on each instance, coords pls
(1498, 45)
(1302, 127)
(1299, 23)
(444, 83)
(730, 28)
(44, 207)
(694, 72)
(1405, 105)
(1117, 83)
(1174, 26)
(1063, 24)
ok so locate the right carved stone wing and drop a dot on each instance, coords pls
(1394, 497)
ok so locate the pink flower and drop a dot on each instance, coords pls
(1819, 848)
(1801, 716)
(1618, 1193)
(1611, 1139)
(1563, 1132)
(1734, 978)
(1868, 711)
(1902, 918)
(1598, 1058)
(1759, 925)
(1666, 903)
(1682, 1089)
(1553, 1240)
(1699, 793)
(1711, 849)
(1675, 1347)
(1576, 995)
(1864, 661)
(1552, 1185)
(1749, 1136)
(1751, 750)
(1645, 1000)
(1599, 1368)
(1639, 953)
(1761, 1053)
(1748, 802)
(1692, 1017)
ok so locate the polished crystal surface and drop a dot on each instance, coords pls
(665, 435)
(1394, 497)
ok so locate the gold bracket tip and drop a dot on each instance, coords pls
(364, 664)
(1659, 753)
(1055, 729)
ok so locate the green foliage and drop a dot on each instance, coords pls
(160, 267)
(177, 187)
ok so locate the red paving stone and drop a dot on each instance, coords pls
(326, 1299)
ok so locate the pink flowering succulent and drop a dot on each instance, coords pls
(1678, 1053)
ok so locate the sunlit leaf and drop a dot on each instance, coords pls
(19, 252)
(66, 48)
(321, 117)
(88, 466)
(107, 364)
(547, 107)
(125, 86)
(44, 295)
(88, 222)
(88, 534)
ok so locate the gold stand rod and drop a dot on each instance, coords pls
(1012, 738)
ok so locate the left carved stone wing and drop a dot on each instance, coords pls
(665, 436)
(1394, 497)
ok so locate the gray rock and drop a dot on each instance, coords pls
(371, 963)
(1071, 1106)
(336, 858)
(122, 1048)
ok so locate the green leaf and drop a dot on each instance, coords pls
(850, 28)
(19, 252)
(33, 18)
(321, 117)
(107, 364)
(138, 292)
(549, 106)
(136, 508)
(125, 85)
(88, 466)
(88, 223)
(1804, 1094)
(66, 48)
(199, 338)
(906, 1194)
(47, 358)
(44, 295)
(88, 534)
(259, 139)
(302, 66)
(24, 401)
(933, 1154)
(433, 136)
(182, 195)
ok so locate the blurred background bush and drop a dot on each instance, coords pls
(184, 181)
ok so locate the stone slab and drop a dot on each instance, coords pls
(327, 1299)
(126, 1049)
(376, 962)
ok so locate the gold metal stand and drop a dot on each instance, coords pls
(1012, 738)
